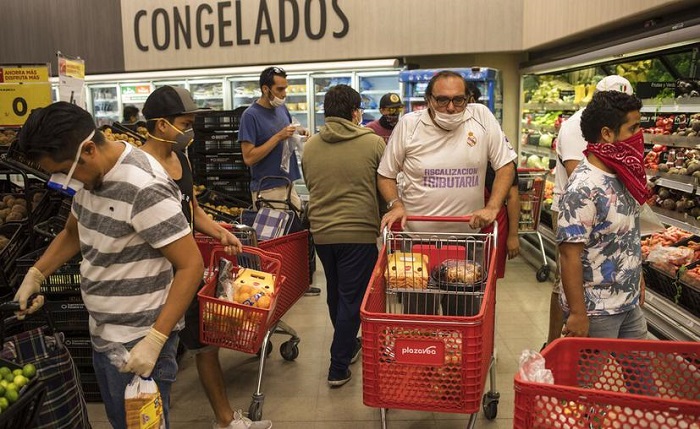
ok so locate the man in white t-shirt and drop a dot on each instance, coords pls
(444, 152)
(570, 147)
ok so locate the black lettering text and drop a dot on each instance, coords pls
(307, 17)
(166, 29)
(284, 37)
(19, 106)
(239, 26)
(183, 29)
(346, 24)
(263, 13)
(204, 28)
(223, 23)
(137, 31)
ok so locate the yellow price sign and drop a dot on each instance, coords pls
(17, 100)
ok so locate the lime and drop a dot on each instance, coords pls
(20, 381)
(4, 403)
(16, 372)
(4, 383)
(5, 370)
(2, 391)
(9, 377)
(11, 396)
(29, 370)
(11, 386)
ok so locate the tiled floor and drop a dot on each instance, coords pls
(297, 395)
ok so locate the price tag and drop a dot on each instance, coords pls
(17, 101)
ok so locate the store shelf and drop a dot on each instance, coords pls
(296, 94)
(680, 220)
(678, 182)
(245, 96)
(673, 141)
(668, 321)
(416, 99)
(376, 91)
(208, 97)
(105, 100)
(671, 105)
(298, 112)
(541, 127)
(538, 150)
(550, 106)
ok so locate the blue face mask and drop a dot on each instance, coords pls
(64, 183)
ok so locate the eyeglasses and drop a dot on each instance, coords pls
(393, 110)
(442, 101)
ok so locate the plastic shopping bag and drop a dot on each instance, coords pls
(144, 407)
(649, 222)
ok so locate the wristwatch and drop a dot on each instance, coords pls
(391, 203)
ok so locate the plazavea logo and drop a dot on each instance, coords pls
(420, 352)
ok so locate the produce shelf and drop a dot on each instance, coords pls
(678, 182)
(681, 220)
(668, 320)
(550, 106)
(673, 141)
(537, 150)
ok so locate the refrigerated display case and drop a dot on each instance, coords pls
(246, 91)
(320, 84)
(372, 86)
(207, 94)
(134, 94)
(488, 81)
(103, 103)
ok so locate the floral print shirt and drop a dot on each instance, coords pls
(596, 209)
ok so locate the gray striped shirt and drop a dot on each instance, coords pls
(125, 278)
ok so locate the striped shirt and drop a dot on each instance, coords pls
(122, 224)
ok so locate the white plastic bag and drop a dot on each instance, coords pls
(144, 406)
(649, 222)
(532, 368)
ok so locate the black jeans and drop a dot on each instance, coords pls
(348, 268)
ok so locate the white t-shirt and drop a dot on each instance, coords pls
(570, 146)
(444, 171)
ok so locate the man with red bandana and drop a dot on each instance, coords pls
(599, 232)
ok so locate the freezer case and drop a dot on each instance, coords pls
(372, 86)
(103, 103)
(208, 94)
(134, 94)
(246, 91)
(320, 84)
(488, 81)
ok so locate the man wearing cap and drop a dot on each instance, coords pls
(390, 107)
(569, 149)
(264, 135)
(137, 273)
(170, 113)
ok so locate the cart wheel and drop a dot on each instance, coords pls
(289, 350)
(543, 273)
(255, 411)
(490, 406)
(268, 351)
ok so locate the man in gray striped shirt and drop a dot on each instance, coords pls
(127, 223)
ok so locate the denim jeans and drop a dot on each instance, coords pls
(112, 383)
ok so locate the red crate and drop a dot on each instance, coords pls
(452, 381)
(611, 383)
(231, 325)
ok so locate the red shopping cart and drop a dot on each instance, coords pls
(531, 185)
(428, 323)
(249, 329)
(612, 383)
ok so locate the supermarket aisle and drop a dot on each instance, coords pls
(297, 395)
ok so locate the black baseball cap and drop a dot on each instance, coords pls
(169, 101)
(390, 100)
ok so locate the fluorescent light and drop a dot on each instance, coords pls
(671, 39)
(255, 70)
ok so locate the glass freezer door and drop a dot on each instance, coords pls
(297, 100)
(208, 94)
(245, 91)
(320, 84)
(134, 94)
(103, 103)
(372, 86)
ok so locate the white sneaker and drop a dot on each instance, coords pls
(241, 422)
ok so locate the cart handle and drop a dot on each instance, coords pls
(455, 219)
(532, 170)
(276, 260)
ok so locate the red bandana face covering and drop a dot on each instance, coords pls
(626, 159)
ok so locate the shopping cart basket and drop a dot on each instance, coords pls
(612, 383)
(531, 186)
(431, 361)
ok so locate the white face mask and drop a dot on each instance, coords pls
(276, 101)
(448, 121)
(64, 183)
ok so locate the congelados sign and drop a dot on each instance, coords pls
(160, 31)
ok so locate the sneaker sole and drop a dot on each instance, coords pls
(338, 383)
(356, 357)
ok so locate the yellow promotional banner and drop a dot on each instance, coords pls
(71, 68)
(22, 89)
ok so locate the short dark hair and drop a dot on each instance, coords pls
(442, 74)
(267, 76)
(55, 131)
(607, 109)
(340, 101)
(129, 111)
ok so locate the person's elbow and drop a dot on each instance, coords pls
(248, 160)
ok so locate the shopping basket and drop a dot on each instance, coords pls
(531, 185)
(430, 362)
(612, 383)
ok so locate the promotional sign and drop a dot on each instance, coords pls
(420, 352)
(22, 89)
(71, 80)
(137, 93)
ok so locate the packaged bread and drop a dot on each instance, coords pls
(407, 271)
(458, 272)
(143, 404)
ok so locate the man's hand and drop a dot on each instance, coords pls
(232, 245)
(286, 132)
(144, 355)
(397, 213)
(576, 326)
(30, 285)
(483, 217)
(513, 244)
